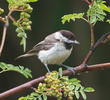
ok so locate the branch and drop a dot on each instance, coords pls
(34, 82)
(4, 35)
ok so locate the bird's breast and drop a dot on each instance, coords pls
(56, 55)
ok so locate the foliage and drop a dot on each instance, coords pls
(20, 69)
(72, 17)
(23, 23)
(96, 12)
(58, 86)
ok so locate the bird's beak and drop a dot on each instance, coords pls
(76, 42)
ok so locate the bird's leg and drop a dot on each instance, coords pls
(69, 68)
(46, 66)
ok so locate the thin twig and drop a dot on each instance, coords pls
(87, 2)
(5, 30)
(4, 35)
(91, 25)
(92, 34)
(101, 40)
(12, 18)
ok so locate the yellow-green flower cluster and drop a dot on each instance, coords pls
(56, 87)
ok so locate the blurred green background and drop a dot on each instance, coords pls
(46, 18)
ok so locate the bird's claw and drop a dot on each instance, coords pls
(69, 68)
(72, 70)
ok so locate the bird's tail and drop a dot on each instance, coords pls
(25, 55)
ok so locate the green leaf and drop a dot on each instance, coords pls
(72, 17)
(104, 7)
(1, 10)
(74, 80)
(77, 94)
(22, 34)
(108, 20)
(71, 87)
(44, 97)
(93, 19)
(22, 98)
(28, 1)
(39, 98)
(100, 17)
(60, 72)
(65, 78)
(57, 75)
(20, 69)
(23, 42)
(89, 89)
(76, 89)
(83, 94)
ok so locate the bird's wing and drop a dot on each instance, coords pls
(40, 46)
(48, 42)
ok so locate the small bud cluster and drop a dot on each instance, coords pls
(24, 20)
(1, 10)
(56, 87)
(25, 10)
(28, 8)
(24, 17)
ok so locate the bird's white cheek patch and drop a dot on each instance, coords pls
(60, 37)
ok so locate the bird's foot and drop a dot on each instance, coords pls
(85, 66)
(72, 70)
(69, 68)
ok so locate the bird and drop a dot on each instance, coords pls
(54, 49)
